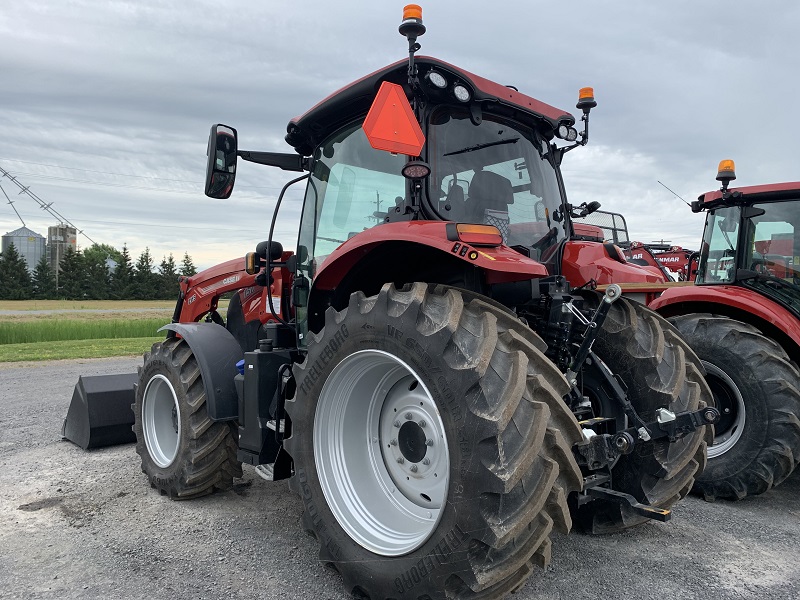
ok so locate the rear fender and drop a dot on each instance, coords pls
(217, 353)
(499, 263)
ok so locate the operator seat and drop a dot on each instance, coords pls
(490, 192)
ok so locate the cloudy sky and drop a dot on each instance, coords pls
(105, 106)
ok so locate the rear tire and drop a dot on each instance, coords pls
(757, 389)
(184, 453)
(500, 438)
(659, 370)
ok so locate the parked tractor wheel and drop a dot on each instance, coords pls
(658, 370)
(184, 453)
(757, 390)
(431, 445)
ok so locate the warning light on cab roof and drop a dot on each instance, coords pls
(586, 100)
(726, 170)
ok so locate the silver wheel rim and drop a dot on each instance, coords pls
(161, 420)
(725, 440)
(381, 453)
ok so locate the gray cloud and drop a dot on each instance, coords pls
(118, 98)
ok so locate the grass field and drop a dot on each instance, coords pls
(85, 329)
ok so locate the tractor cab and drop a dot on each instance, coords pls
(752, 238)
(422, 170)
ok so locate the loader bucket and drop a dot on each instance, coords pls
(100, 412)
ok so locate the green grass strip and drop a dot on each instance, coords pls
(50, 330)
(77, 349)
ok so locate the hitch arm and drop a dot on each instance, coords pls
(645, 510)
(613, 292)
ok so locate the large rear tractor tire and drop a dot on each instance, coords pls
(757, 390)
(431, 445)
(184, 453)
(659, 370)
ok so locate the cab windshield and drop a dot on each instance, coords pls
(496, 173)
(772, 249)
(763, 240)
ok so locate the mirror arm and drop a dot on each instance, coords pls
(287, 162)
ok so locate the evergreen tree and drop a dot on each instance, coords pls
(187, 266)
(72, 275)
(122, 277)
(96, 275)
(44, 280)
(146, 283)
(168, 275)
(15, 280)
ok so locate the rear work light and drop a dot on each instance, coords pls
(475, 235)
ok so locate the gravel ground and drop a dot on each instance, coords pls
(76, 524)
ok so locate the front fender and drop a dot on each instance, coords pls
(217, 353)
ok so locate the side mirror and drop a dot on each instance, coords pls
(221, 166)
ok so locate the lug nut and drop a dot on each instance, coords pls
(393, 442)
(429, 442)
(413, 468)
(409, 416)
(422, 423)
(397, 423)
(426, 461)
(400, 460)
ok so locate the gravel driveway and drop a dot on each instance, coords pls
(76, 524)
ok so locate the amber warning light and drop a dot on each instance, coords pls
(412, 11)
(726, 170)
(391, 125)
(479, 235)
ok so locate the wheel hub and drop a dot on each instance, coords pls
(411, 441)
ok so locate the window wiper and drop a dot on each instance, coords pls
(482, 146)
(747, 274)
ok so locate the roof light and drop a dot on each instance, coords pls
(726, 170)
(437, 80)
(416, 169)
(565, 132)
(586, 100)
(479, 235)
(461, 93)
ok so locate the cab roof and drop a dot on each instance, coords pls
(305, 132)
(769, 191)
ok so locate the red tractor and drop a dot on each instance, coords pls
(431, 368)
(742, 318)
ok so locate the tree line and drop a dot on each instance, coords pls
(85, 275)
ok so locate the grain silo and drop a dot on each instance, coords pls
(29, 245)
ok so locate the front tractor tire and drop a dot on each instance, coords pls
(431, 445)
(659, 370)
(184, 453)
(757, 391)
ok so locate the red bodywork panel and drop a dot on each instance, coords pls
(202, 291)
(584, 261)
(733, 296)
(753, 190)
(501, 263)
